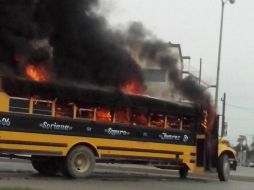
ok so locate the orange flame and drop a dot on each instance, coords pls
(133, 87)
(37, 73)
(103, 114)
(122, 115)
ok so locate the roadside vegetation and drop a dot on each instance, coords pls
(14, 188)
(243, 148)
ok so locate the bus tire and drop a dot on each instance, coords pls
(183, 173)
(79, 163)
(45, 167)
(223, 168)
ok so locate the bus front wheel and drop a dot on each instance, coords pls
(79, 162)
(223, 168)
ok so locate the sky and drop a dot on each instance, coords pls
(195, 26)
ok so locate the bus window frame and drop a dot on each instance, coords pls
(128, 115)
(72, 106)
(33, 100)
(157, 113)
(194, 124)
(179, 117)
(142, 110)
(110, 111)
(81, 108)
(22, 108)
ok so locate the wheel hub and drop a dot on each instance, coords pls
(81, 163)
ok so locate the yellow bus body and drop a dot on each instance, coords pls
(50, 144)
(19, 142)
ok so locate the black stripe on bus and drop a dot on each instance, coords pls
(33, 143)
(139, 150)
(178, 161)
(35, 124)
(25, 151)
(193, 154)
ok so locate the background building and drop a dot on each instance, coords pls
(157, 79)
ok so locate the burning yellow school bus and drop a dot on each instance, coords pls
(68, 129)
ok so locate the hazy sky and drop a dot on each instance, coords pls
(194, 24)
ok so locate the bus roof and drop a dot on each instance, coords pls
(91, 95)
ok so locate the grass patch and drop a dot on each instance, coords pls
(14, 188)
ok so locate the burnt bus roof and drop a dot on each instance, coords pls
(90, 95)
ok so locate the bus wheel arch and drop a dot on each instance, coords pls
(229, 153)
(88, 145)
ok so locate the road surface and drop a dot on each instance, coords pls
(21, 174)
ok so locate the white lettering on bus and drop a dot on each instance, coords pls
(115, 132)
(5, 122)
(55, 126)
(185, 138)
(165, 136)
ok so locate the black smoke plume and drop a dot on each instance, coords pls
(78, 45)
(67, 36)
(156, 52)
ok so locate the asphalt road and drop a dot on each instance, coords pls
(244, 171)
(13, 174)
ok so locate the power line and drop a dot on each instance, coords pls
(241, 107)
(245, 120)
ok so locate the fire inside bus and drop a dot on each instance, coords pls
(68, 129)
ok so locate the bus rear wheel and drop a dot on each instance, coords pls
(45, 166)
(223, 168)
(79, 163)
(183, 173)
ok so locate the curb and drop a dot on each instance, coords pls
(156, 171)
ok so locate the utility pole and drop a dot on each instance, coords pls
(223, 115)
(200, 71)
(223, 2)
